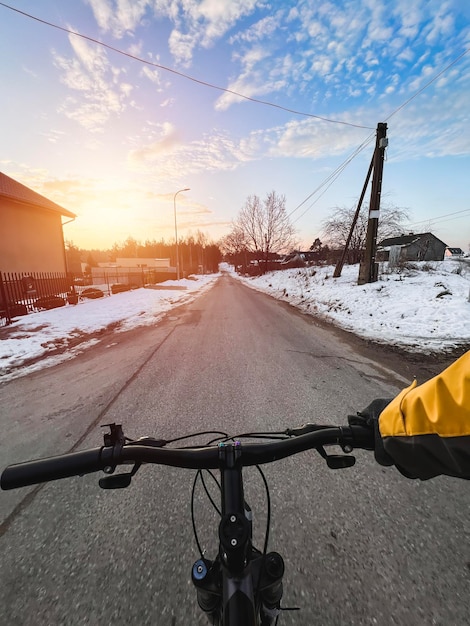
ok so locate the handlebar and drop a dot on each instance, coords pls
(107, 457)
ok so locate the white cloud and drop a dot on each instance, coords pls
(152, 74)
(54, 136)
(201, 23)
(181, 46)
(424, 128)
(406, 55)
(312, 139)
(29, 71)
(442, 25)
(126, 89)
(175, 160)
(220, 15)
(262, 29)
(118, 16)
(96, 85)
(167, 141)
(327, 53)
(322, 65)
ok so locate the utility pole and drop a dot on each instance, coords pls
(176, 233)
(340, 264)
(368, 267)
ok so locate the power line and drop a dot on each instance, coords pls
(181, 74)
(440, 217)
(344, 164)
(426, 85)
(332, 177)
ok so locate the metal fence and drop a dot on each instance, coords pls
(21, 293)
(134, 277)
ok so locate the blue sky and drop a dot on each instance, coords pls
(112, 138)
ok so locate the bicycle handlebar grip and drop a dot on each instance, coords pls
(362, 437)
(53, 468)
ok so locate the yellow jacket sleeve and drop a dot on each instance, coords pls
(426, 428)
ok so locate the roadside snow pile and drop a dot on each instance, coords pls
(68, 328)
(423, 305)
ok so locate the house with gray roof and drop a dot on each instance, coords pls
(411, 247)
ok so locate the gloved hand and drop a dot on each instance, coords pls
(369, 418)
(425, 430)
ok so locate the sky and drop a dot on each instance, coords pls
(423, 309)
(231, 98)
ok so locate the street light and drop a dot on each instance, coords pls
(176, 233)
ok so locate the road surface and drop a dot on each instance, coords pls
(361, 546)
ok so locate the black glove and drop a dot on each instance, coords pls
(369, 418)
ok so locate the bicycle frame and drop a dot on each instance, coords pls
(241, 583)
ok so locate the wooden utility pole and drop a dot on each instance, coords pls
(368, 267)
(340, 264)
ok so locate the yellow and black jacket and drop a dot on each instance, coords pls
(426, 428)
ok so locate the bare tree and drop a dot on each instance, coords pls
(336, 228)
(234, 243)
(264, 226)
(234, 247)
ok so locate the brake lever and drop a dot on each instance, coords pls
(336, 461)
(119, 481)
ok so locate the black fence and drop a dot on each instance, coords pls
(21, 293)
(134, 277)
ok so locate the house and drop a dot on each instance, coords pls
(411, 247)
(454, 253)
(31, 237)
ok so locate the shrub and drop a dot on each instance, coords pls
(17, 309)
(120, 287)
(92, 292)
(49, 302)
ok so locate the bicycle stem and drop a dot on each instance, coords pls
(225, 587)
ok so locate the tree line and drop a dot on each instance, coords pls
(260, 235)
(197, 254)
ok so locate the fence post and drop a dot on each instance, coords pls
(4, 299)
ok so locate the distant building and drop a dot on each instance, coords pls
(133, 271)
(148, 263)
(31, 237)
(411, 247)
(454, 253)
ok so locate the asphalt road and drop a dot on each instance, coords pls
(361, 546)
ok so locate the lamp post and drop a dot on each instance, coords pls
(176, 233)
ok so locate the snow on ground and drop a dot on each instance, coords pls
(66, 329)
(424, 307)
